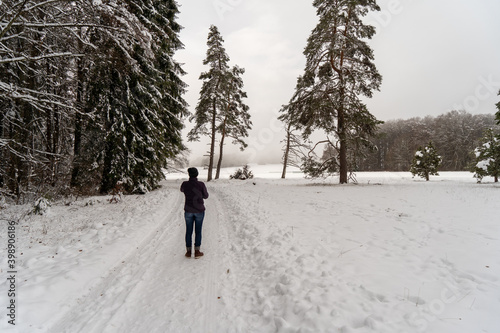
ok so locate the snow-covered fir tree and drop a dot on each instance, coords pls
(498, 112)
(157, 91)
(220, 108)
(426, 162)
(339, 71)
(138, 99)
(488, 157)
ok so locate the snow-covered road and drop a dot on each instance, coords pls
(154, 288)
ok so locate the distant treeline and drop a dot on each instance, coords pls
(455, 135)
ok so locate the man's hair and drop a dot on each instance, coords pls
(193, 172)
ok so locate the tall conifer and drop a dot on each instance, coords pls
(339, 70)
(498, 112)
(220, 108)
(236, 119)
(137, 100)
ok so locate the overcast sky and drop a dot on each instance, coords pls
(434, 56)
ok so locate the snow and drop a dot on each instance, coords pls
(391, 254)
(484, 164)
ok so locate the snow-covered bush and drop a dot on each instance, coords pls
(242, 174)
(488, 157)
(426, 162)
(117, 192)
(41, 206)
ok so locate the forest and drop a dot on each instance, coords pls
(455, 135)
(90, 95)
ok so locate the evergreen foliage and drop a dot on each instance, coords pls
(426, 162)
(339, 70)
(236, 119)
(145, 129)
(96, 101)
(498, 112)
(487, 161)
(242, 174)
(220, 109)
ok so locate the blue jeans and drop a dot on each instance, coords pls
(196, 220)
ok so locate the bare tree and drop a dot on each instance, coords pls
(295, 149)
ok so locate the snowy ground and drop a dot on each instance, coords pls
(389, 255)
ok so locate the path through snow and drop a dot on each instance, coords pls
(155, 288)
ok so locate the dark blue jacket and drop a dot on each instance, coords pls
(194, 191)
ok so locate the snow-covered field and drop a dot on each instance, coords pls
(391, 254)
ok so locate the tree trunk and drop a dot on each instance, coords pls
(76, 149)
(343, 143)
(107, 181)
(3, 155)
(287, 151)
(78, 120)
(343, 161)
(49, 148)
(212, 144)
(221, 150)
(341, 112)
(55, 146)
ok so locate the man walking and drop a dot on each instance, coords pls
(194, 211)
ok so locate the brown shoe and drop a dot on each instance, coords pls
(198, 253)
(188, 252)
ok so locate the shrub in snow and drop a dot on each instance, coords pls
(242, 174)
(91, 202)
(487, 161)
(41, 206)
(426, 162)
(117, 192)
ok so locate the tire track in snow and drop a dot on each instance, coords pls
(106, 297)
(212, 242)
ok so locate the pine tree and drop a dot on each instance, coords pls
(339, 69)
(236, 119)
(220, 108)
(498, 112)
(426, 162)
(488, 157)
(206, 115)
